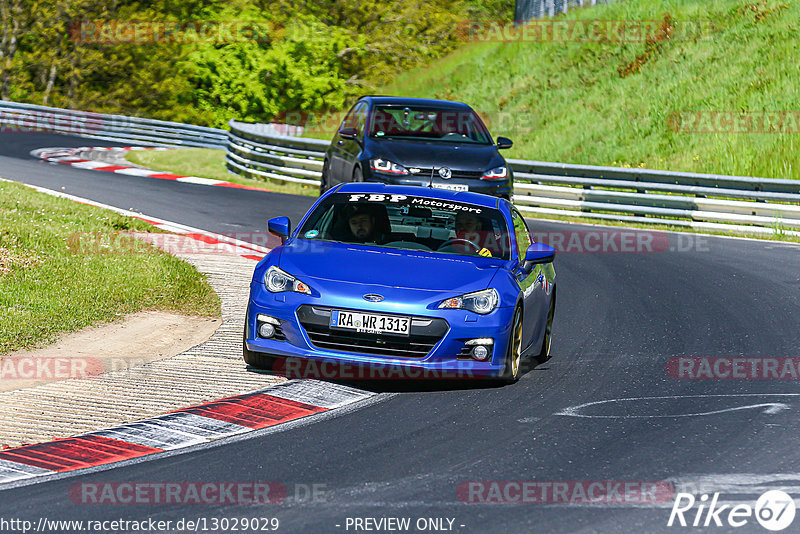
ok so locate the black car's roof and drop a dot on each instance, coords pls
(405, 101)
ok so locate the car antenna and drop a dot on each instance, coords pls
(430, 182)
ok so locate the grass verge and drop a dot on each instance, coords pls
(606, 102)
(209, 163)
(48, 288)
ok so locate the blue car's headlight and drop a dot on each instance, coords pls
(277, 280)
(482, 302)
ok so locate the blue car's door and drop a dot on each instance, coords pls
(531, 282)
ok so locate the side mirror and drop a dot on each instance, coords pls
(348, 133)
(504, 142)
(280, 226)
(539, 253)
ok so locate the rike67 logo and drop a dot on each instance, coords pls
(774, 510)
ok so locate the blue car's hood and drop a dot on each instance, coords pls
(410, 269)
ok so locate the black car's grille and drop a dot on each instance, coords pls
(425, 334)
(464, 175)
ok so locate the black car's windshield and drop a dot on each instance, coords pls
(428, 123)
(410, 222)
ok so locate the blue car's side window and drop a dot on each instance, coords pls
(521, 233)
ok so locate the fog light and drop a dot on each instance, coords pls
(480, 352)
(266, 330)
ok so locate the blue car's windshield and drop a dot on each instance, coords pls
(427, 123)
(410, 222)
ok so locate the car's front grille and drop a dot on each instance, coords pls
(425, 334)
(464, 175)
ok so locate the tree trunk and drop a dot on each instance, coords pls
(8, 51)
(50, 80)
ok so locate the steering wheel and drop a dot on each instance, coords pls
(461, 241)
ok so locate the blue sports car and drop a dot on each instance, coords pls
(425, 281)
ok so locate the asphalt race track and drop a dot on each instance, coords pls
(621, 317)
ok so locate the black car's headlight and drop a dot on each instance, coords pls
(383, 165)
(482, 302)
(277, 281)
(498, 173)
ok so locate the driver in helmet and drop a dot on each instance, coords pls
(470, 228)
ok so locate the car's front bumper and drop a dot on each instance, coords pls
(436, 343)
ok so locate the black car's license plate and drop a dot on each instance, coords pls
(370, 322)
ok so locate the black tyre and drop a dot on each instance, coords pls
(513, 365)
(357, 176)
(255, 359)
(544, 354)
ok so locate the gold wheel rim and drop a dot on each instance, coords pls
(516, 355)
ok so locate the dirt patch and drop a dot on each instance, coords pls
(10, 260)
(138, 339)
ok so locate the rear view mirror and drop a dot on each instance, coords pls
(348, 133)
(539, 253)
(504, 142)
(420, 212)
(280, 226)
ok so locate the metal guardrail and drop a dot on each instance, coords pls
(654, 196)
(604, 193)
(255, 154)
(15, 116)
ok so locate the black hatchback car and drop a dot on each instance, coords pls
(417, 141)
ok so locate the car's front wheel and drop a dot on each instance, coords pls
(357, 176)
(513, 362)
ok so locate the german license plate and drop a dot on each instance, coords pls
(372, 323)
(451, 187)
